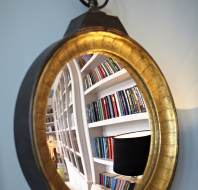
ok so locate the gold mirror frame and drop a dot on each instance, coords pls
(162, 114)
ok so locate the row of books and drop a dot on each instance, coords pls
(82, 60)
(123, 102)
(117, 182)
(104, 147)
(105, 69)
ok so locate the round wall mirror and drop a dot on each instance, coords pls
(95, 112)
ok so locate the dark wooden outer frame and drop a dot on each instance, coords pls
(30, 135)
(23, 121)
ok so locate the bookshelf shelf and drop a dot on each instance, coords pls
(109, 81)
(119, 120)
(49, 114)
(51, 132)
(103, 161)
(93, 61)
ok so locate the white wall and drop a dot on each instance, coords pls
(26, 28)
(166, 28)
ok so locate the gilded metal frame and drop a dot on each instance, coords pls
(163, 119)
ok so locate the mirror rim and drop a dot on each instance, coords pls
(162, 113)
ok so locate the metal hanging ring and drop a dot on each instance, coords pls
(87, 4)
(84, 3)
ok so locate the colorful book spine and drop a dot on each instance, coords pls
(116, 182)
(121, 103)
(105, 69)
(103, 147)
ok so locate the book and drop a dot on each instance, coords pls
(104, 106)
(99, 110)
(109, 147)
(111, 71)
(115, 108)
(130, 101)
(126, 105)
(121, 103)
(103, 147)
(108, 107)
(113, 64)
(101, 71)
(112, 112)
(104, 70)
(116, 181)
(140, 98)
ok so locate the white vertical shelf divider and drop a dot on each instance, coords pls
(78, 120)
(84, 118)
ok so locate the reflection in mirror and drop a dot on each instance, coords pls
(94, 99)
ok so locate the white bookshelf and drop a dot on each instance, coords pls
(68, 128)
(73, 132)
(109, 127)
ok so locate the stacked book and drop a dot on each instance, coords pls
(83, 59)
(104, 147)
(107, 68)
(123, 102)
(117, 182)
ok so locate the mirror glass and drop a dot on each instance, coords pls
(92, 102)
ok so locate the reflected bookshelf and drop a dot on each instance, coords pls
(94, 100)
(113, 105)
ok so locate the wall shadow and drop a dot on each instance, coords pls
(186, 176)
